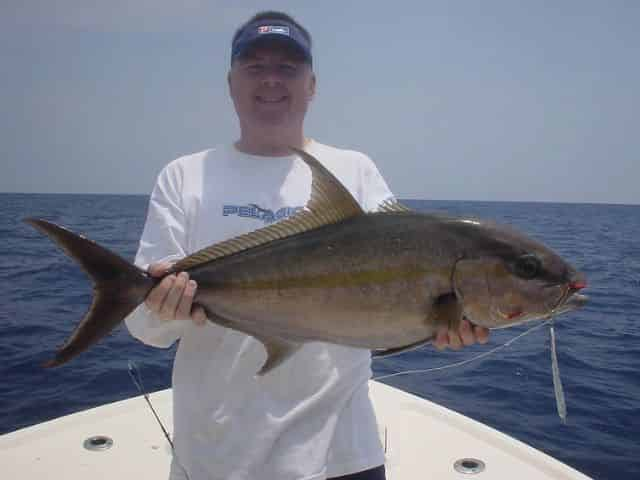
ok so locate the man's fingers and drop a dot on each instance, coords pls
(482, 334)
(159, 269)
(172, 299)
(455, 343)
(170, 304)
(466, 333)
(442, 339)
(198, 315)
(156, 297)
(183, 312)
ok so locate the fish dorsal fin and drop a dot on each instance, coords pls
(329, 198)
(330, 202)
(392, 205)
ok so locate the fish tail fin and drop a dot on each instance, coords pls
(119, 287)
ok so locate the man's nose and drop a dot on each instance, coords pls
(271, 78)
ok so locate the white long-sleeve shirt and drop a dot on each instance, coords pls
(311, 417)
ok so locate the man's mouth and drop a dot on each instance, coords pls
(271, 99)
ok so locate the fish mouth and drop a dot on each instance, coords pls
(569, 301)
(572, 301)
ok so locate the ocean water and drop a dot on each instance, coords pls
(44, 294)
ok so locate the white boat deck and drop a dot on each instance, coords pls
(423, 440)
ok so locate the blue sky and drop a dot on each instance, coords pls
(477, 100)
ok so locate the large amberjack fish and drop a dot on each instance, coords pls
(384, 281)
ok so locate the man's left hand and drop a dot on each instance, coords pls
(466, 335)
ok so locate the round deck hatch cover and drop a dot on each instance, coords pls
(98, 443)
(469, 466)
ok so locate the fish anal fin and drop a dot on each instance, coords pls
(278, 350)
(330, 202)
(446, 311)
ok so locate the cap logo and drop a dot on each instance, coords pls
(274, 29)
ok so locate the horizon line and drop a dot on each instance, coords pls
(400, 198)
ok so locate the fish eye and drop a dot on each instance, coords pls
(527, 266)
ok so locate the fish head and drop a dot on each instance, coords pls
(506, 278)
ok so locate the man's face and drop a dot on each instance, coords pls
(271, 87)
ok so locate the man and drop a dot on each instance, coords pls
(311, 417)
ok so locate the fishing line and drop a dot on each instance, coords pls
(561, 404)
(557, 384)
(134, 373)
(464, 362)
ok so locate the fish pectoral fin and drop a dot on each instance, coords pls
(446, 311)
(404, 348)
(278, 350)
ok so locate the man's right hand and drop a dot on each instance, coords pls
(172, 298)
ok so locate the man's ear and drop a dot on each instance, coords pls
(229, 81)
(312, 87)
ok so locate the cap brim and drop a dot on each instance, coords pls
(278, 41)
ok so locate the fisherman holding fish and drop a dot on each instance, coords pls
(281, 275)
(311, 417)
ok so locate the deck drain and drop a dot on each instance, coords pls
(98, 443)
(469, 466)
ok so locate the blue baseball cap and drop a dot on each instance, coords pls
(267, 31)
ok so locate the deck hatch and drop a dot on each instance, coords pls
(470, 466)
(98, 443)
